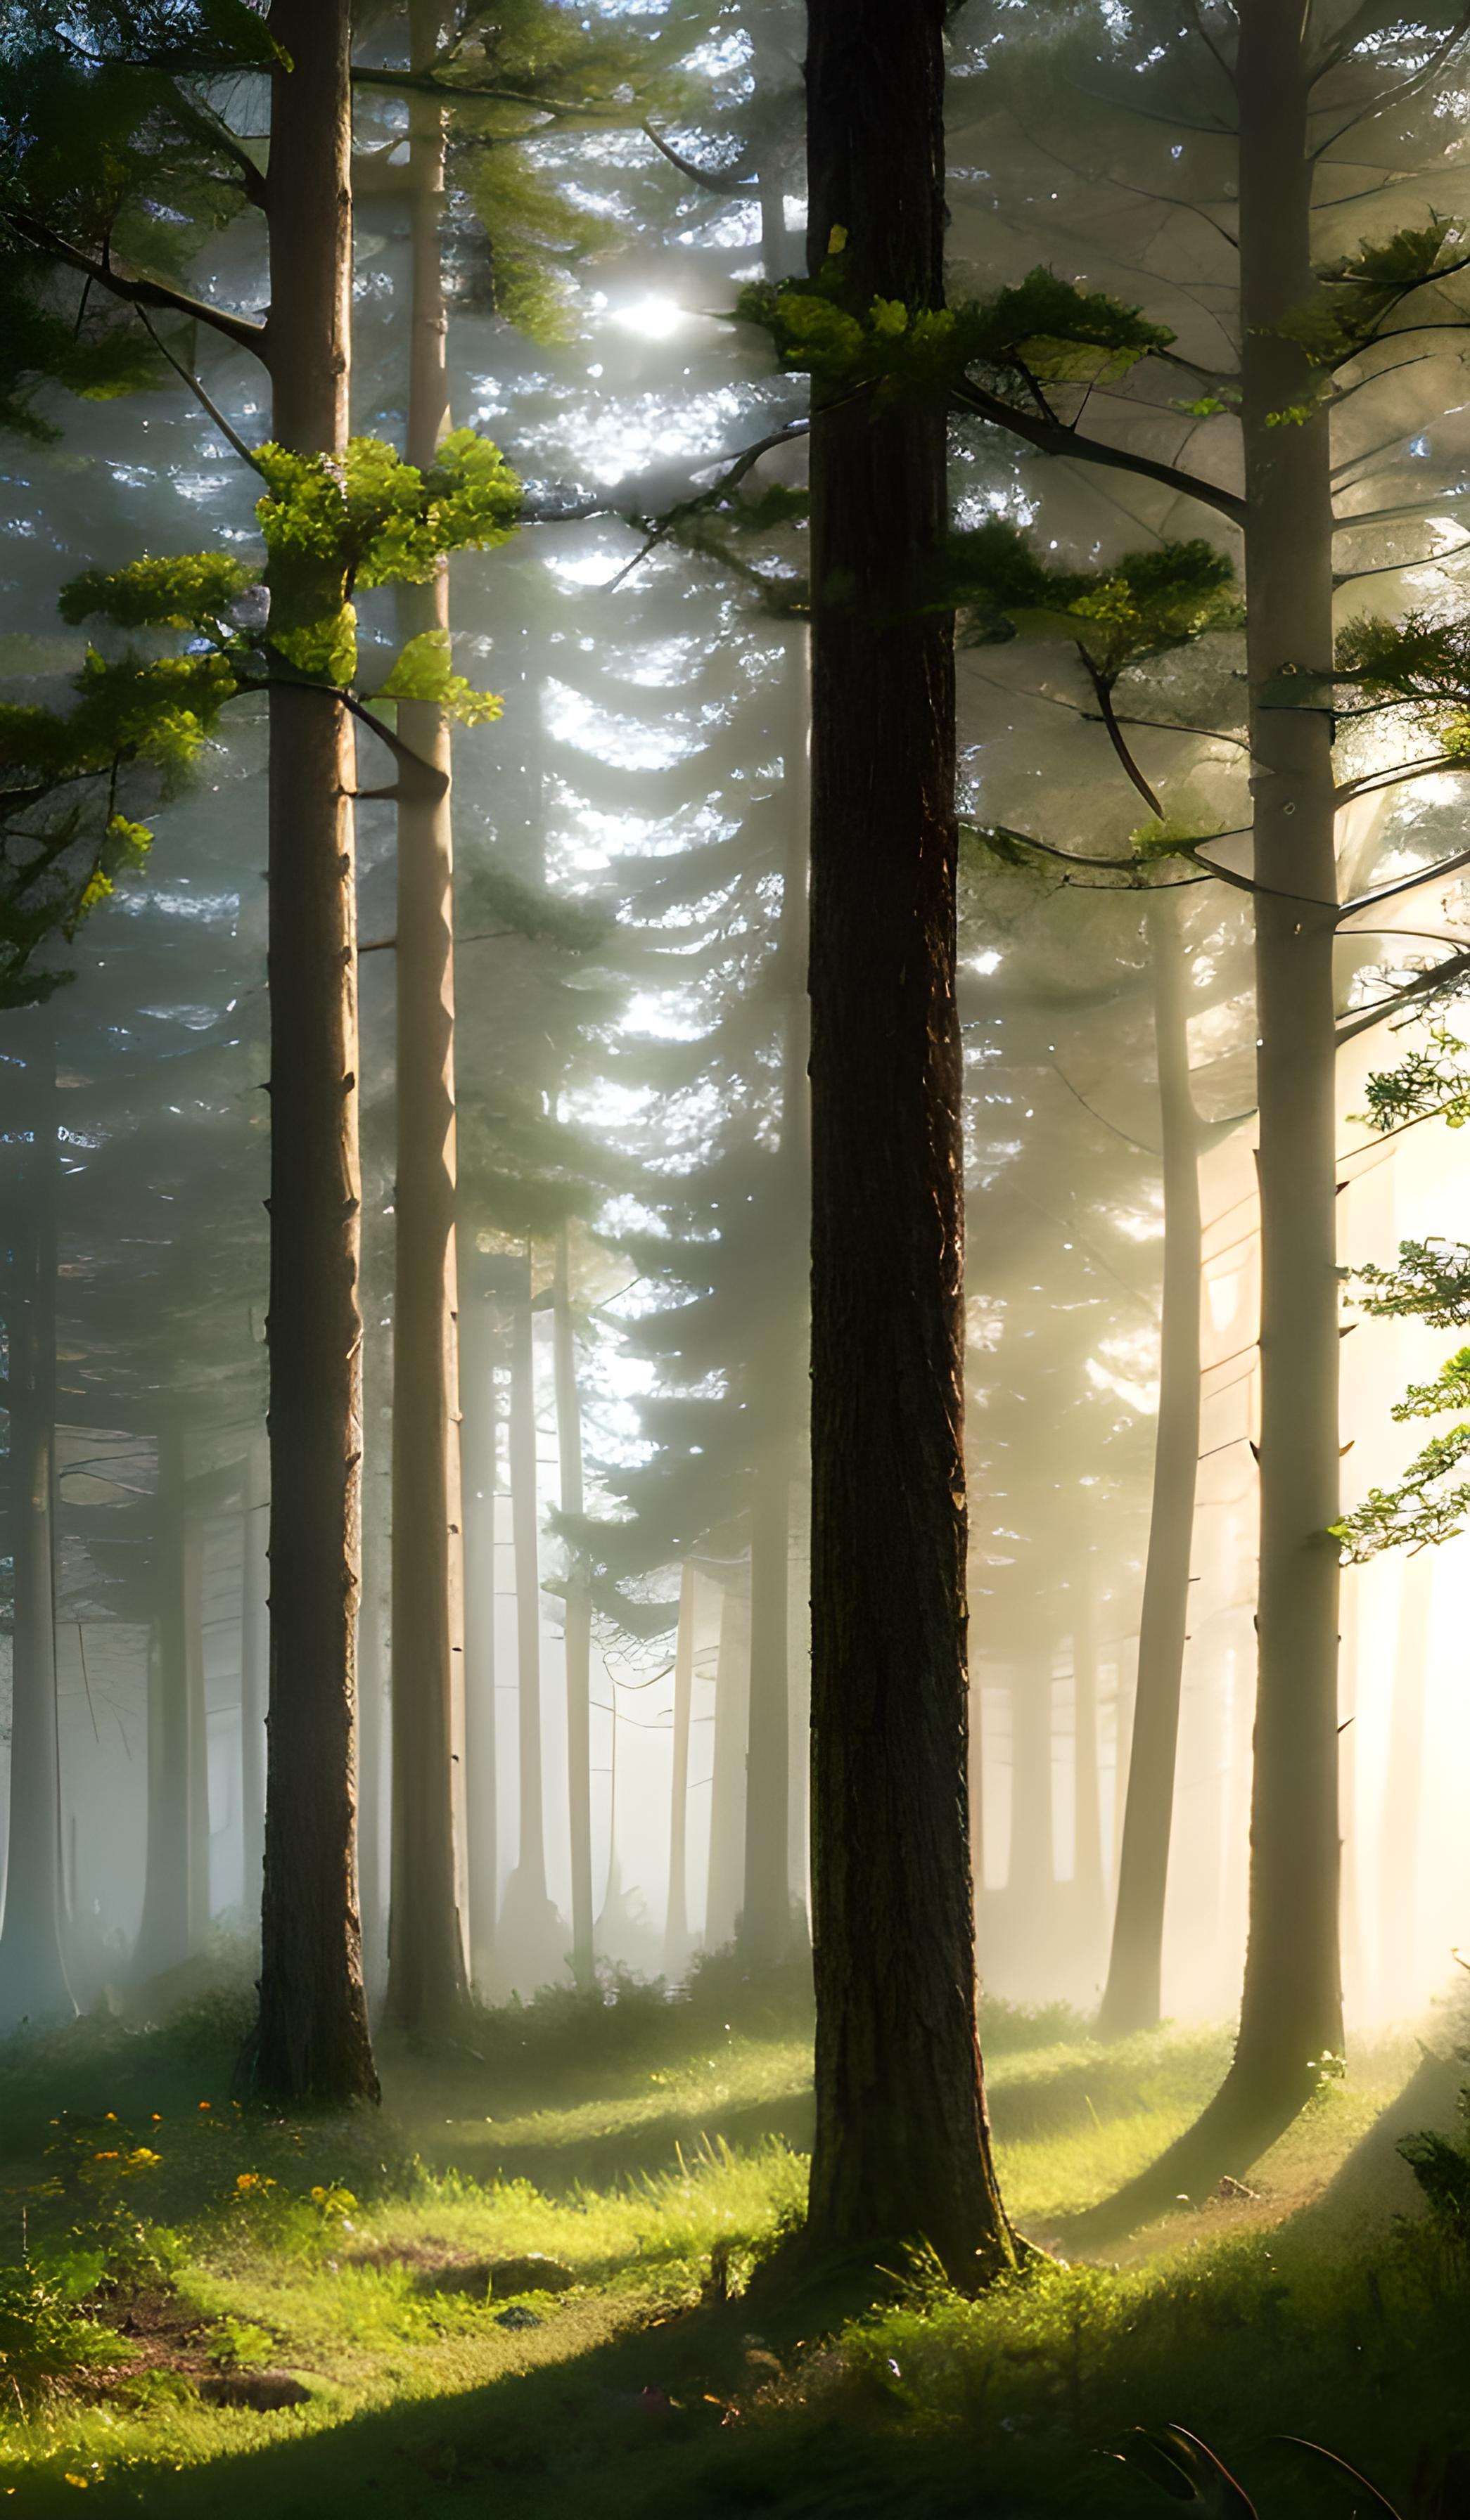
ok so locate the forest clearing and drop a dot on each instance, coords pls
(734, 1533)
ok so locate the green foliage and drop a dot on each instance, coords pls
(493, 895)
(1422, 663)
(533, 232)
(1354, 298)
(1431, 1283)
(198, 592)
(1043, 332)
(423, 671)
(1427, 1084)
(1145, 604)
(1442, 2168)
(370, 521)
(44, 2337)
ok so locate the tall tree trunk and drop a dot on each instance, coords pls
(776, 1382)
(1032, 1876)
(480, 1451)
(1291, 2002)
(532, 1937)
(427, 1974)
(1086, 1826)
(676, 1914)
(34, 1984)
(163, 1936)
(198, 1725)
(579, 1629)
(727, 1767)
(1403, 1791)
(1133, 1993)
(903, 2143)
(312, 2039)
(255, 1671)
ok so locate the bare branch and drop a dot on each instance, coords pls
(711, 179)
(239, 328)
(1052, 437)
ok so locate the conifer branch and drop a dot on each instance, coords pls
(246, 334)
(713, 179)
(1056, 438)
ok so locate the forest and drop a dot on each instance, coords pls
(736, 1476)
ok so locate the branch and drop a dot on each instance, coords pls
(1054, 437)
(1373, 780)
(713, 180)
(1407, 883)
(231, 435)
(1103, 690)
(1428, 985)
(239, 328)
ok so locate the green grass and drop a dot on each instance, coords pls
(649, 2150)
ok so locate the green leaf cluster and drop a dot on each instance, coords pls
(1431, 1283)
(370, 521)
(1044, 332)
(1354, 297)
(1145, 604)
(1427, 1084)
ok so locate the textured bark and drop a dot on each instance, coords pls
(1133, 1995)
(255, 1671)
(163, 1936)
(579, 1629)
(428, 1978)
(903, 2146)
(312, 2038)
(479, 1450)
(34, 1983)
(676, 1916)
(776, 1384)
(1291, 2001)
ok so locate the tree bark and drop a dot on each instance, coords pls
(578, 1628)
(728, 1783)
(163, 1936)
(428, 1979)
(34, 1984)
(903, 2144)
(479, 1449)
(676, 1913)
(1291, 2001)
(255, 1671)
(197, 1730)
(312, 2038)
(1133, 1995)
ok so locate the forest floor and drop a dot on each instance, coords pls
(517, 2289)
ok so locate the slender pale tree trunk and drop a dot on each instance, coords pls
(902, 2145)
(1291, 2002)
(579, 1629)
(163, 1936)
(1086, 1832)
(1133, 1993)
(676, 1916)
(312, 2040)
(776, 1382)
(1403, 1791)
(1032, 1872)
(33, 1985)
(480, 1448)
(728, 1775)
(198, 1723)
(532, 1936)
(255, 1669)
(426, 1976)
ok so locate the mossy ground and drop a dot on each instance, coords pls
(651, 2150)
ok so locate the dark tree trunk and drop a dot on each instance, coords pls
(578, 1628)
(163, 1936)
(34, 1984)
(426, 1976)
(255, 1672)
(1291, 2002)
(312, 2040)
(1131, 1997)
(903, 2144)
